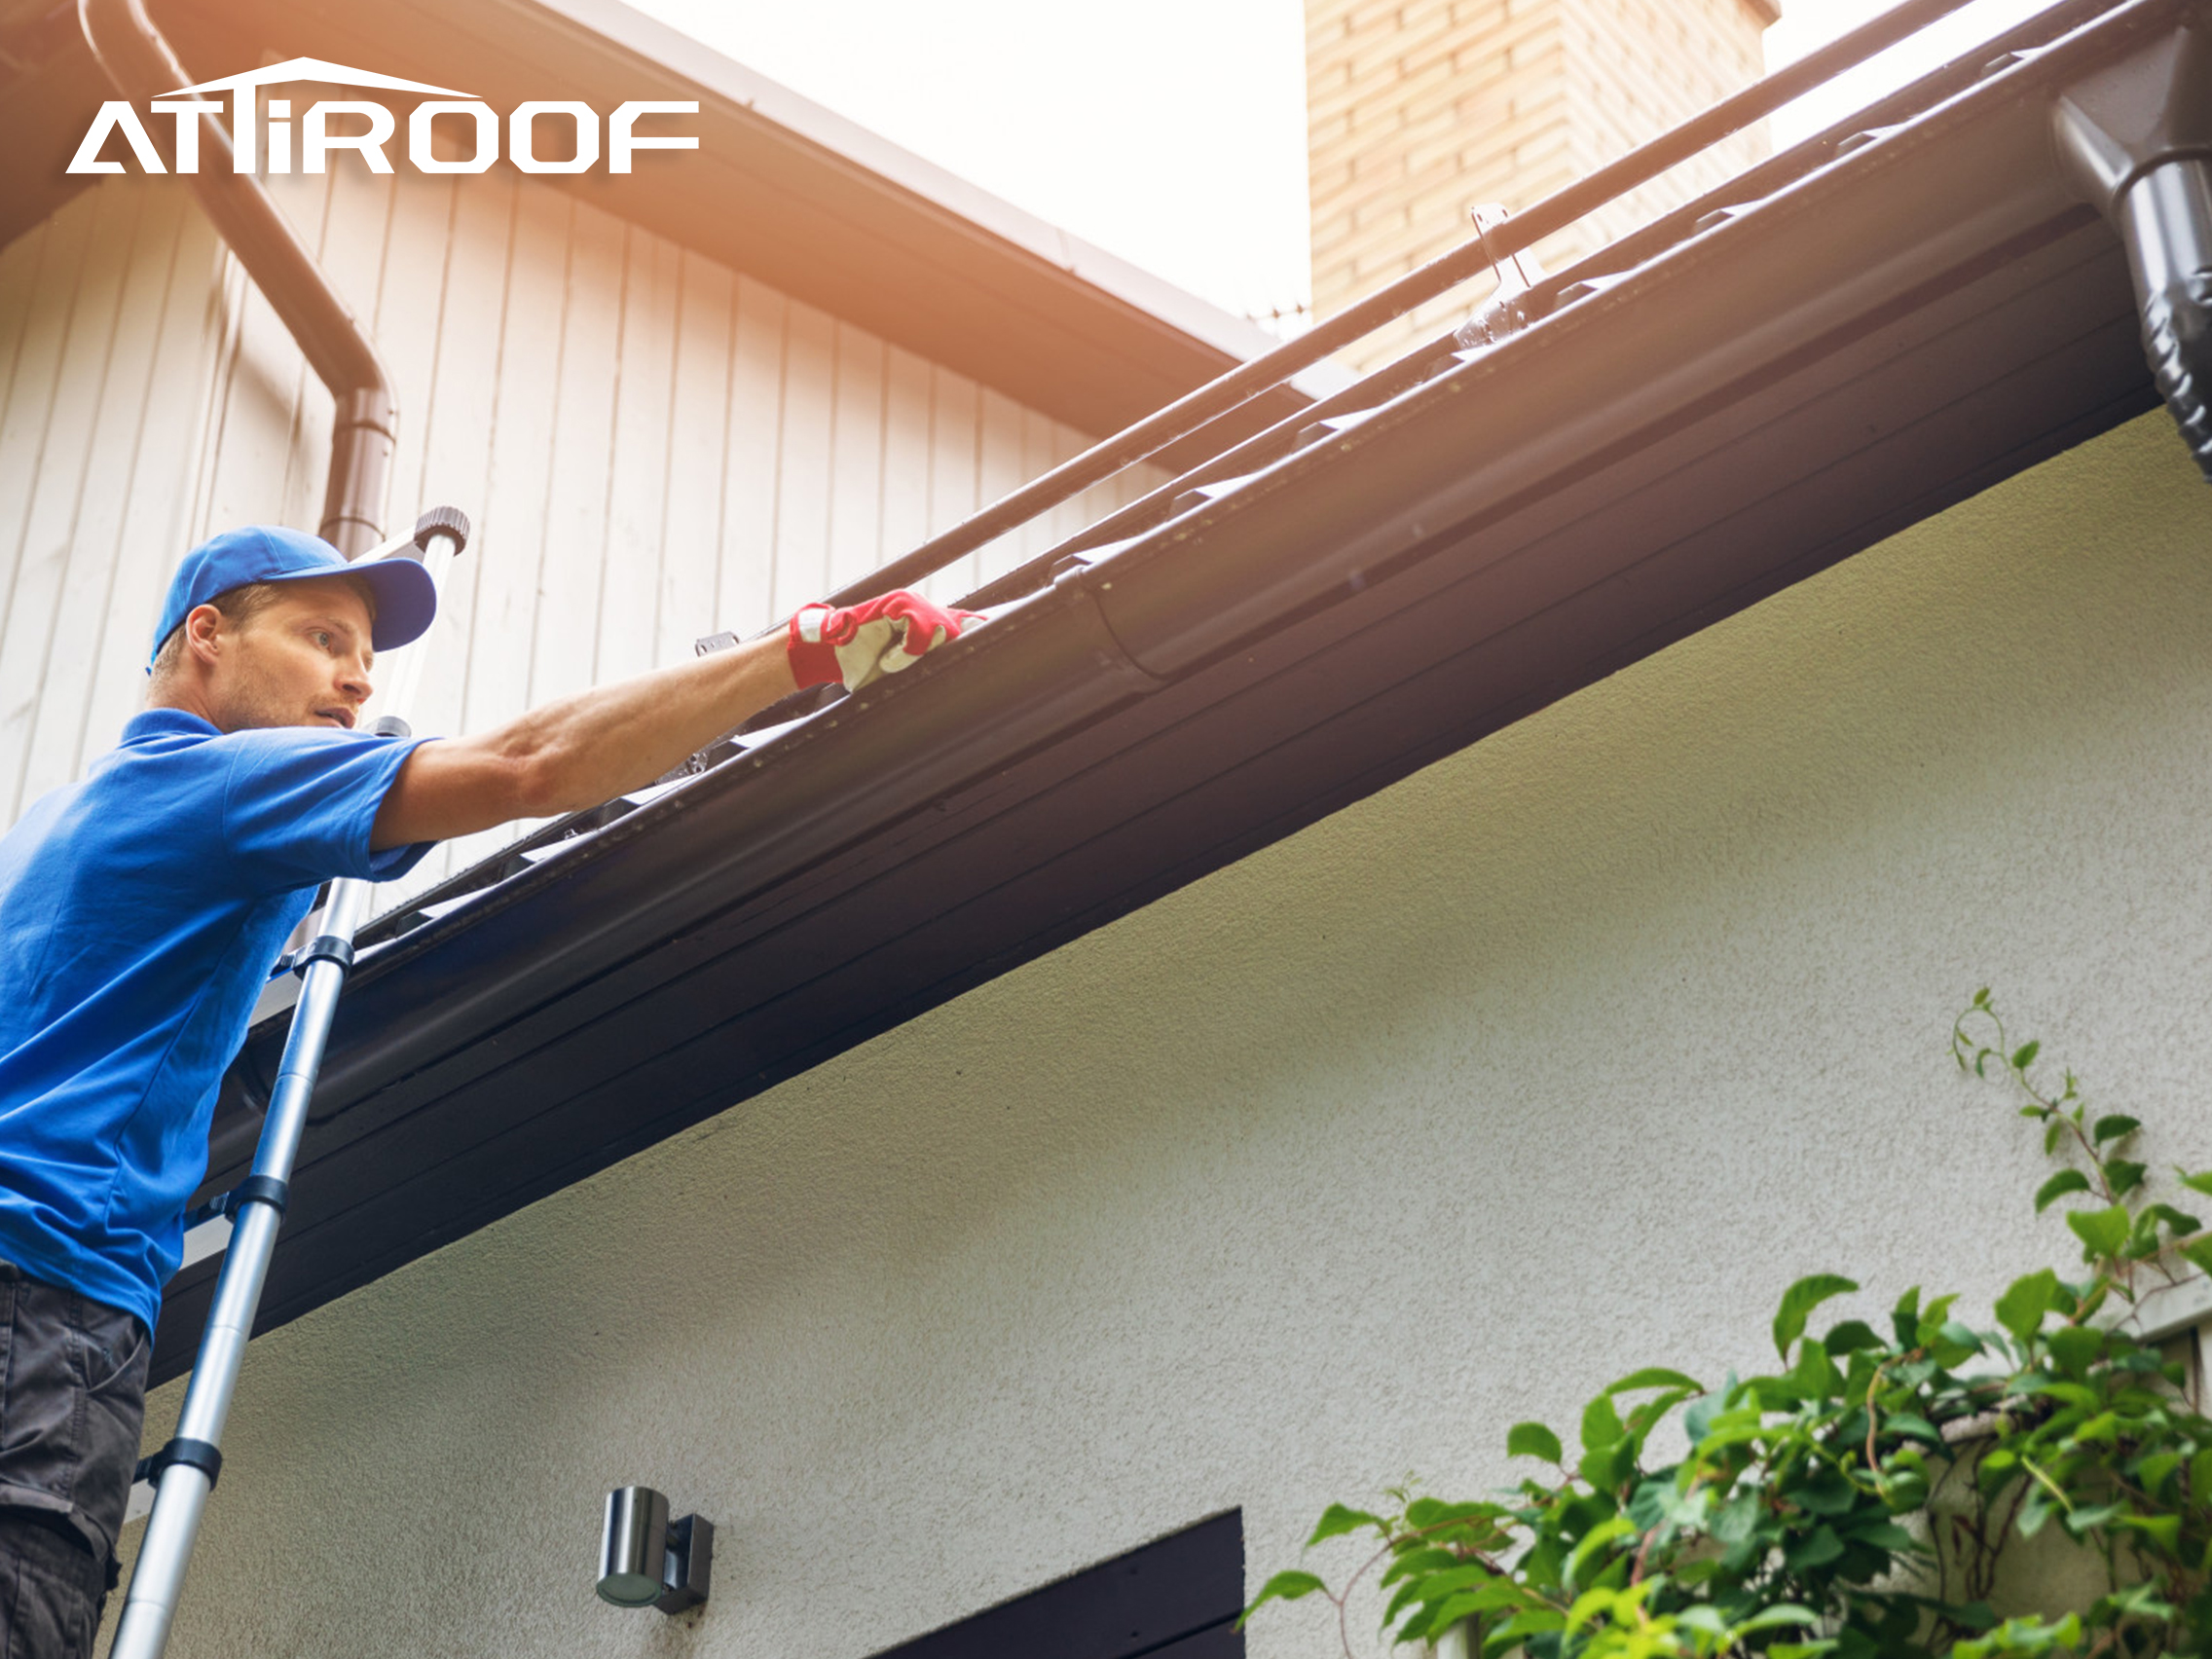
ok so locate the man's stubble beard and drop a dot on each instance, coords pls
(255, 703)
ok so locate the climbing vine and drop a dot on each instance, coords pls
(1859, 1499)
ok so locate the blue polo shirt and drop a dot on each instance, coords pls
(140, 912)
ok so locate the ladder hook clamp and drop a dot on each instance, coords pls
(257, 1189)
(323, 947)
(253, 1190)
(202, 1455)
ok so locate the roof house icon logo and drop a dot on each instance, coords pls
(261, 132)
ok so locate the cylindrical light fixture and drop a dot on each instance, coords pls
(633, 1550)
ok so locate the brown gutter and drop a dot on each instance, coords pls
(142, 68)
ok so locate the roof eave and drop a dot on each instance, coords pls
(1864, 347)
(781, 189)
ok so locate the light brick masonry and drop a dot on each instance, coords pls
(1419, 110)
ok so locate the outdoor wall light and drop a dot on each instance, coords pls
(648, 1560)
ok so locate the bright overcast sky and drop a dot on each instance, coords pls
(1170, 131)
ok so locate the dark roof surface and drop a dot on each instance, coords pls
(1847, 339)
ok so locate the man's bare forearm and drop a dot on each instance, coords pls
(593, 746)
(576, 752)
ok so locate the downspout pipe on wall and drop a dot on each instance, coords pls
(142, 68)
(2136, 140)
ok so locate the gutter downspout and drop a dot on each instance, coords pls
(142, 68)
(2135, 140)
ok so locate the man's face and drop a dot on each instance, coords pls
(302, 660)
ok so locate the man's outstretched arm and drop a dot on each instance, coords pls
(579, 750)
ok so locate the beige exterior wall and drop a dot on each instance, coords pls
(1564, 1055)
(651, 447)
(1419, 110)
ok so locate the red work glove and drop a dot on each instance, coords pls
(864, 641)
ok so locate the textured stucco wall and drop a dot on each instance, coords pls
(1564, 1056)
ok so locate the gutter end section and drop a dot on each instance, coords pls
(2135, 140)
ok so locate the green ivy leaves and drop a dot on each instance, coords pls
(1282, 1587)
(2103, 1231)
(2058, 1186)
(1337, 1520)
(2021, 1308)
(1534, 1440)
(1780, 1524)
(1798, 1303)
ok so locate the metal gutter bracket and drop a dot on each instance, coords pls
(1502, 314)
(2135, 139)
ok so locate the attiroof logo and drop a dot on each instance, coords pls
(261, 133)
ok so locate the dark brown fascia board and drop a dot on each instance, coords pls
(780, 189)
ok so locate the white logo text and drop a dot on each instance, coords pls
(545, 135)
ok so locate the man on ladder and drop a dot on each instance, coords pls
(143, 908)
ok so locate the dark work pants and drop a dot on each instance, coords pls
(72, 1398)
(51, 1589)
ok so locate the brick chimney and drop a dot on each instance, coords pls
(1417, 110)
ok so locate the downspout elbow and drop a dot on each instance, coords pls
(2135, 139)
(2167, 214)
(142, 68)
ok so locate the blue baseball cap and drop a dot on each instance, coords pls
(406, 599)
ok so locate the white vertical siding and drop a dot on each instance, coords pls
(697, 497)
(651, 446)
(107, 316)
(752, 461)
(955, 476)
